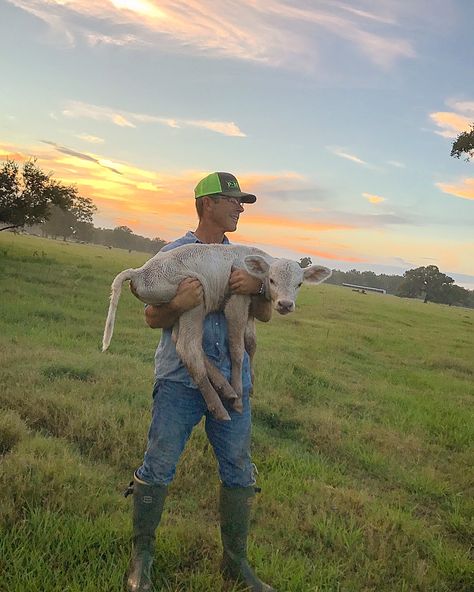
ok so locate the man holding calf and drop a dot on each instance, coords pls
(178, 405)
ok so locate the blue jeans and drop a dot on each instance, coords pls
(176, 410)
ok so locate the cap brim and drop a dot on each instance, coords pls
(244, 197)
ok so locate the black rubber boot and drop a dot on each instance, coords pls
(235, 505)
(148, 502)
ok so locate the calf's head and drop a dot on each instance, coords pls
(285, 278)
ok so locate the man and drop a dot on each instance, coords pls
(178, 406)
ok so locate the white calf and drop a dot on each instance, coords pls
(157, 280)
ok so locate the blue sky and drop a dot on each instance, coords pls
(339, 115)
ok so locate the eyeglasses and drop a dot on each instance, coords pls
(235, 201)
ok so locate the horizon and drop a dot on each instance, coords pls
(340, 118)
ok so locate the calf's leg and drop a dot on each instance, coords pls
(250, 341)
(236, 312)
(189, 349)
(219, 381)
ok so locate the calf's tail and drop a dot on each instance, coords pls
(114, 298)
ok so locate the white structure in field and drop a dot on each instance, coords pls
(365, 288)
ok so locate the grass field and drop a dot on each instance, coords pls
(363, 433)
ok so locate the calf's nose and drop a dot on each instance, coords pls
(285, 306)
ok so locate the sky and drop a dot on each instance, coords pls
(338, 115)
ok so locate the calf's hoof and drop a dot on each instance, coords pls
(237, 405)
(227, 392)
(237, 387)
(220, 414)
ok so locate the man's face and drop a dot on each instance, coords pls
(226, 212)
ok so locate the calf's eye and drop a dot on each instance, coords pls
(272, 281)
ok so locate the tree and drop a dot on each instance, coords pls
(427, 282)
(464, 144)
(27, 195)
(60, 223)
(457, 295)
(122, 237)
(84, 231)
(71, 221)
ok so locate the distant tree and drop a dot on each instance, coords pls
(305, 262)
(82, 209)
(464, 145)
(70, 221)
(455, 295)
(426, 282)
(122, 237)
(84, 231)
(27, 194)
(59, 223)
(156, 244)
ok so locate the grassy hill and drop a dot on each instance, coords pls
(363, 432)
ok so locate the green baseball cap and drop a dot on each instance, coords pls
(222, 184)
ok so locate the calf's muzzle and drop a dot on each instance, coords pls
(285, 306)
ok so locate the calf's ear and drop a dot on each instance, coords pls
(256, 265)
(316, 274)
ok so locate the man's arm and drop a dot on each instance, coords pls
(164, 316)
(241, 282)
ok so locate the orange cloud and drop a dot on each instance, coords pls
(262, 220)
(375, 199)
(451, 124)
(282, 245)
(465, 189)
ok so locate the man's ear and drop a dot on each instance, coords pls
(256, 265)
(316, 274)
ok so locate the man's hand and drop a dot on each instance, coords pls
(164, 316)
(241, 282)
(188, 295)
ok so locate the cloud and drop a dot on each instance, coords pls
(396, 164)
(80, 110)
(341, 152)
(272, 33)
(94, 39)
(82, 156)
(451, 124)
(374, 199)
(293, 224)
(90, 139)
(464, 107)
(464, 189)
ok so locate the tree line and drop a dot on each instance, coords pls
(426, 283)
(120, 237)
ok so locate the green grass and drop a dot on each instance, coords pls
(363, 432)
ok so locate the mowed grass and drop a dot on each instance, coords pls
(363, 431)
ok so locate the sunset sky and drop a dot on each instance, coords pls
(338, 115)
